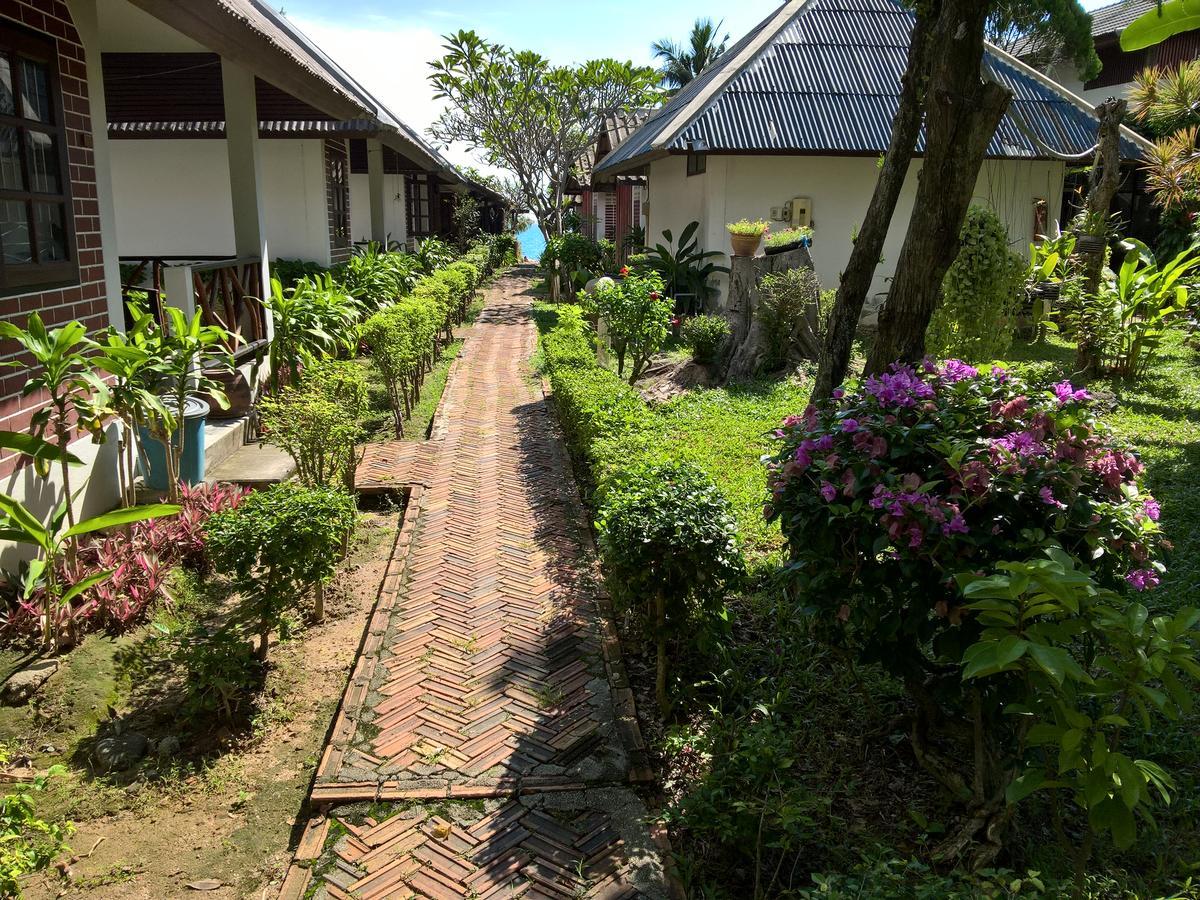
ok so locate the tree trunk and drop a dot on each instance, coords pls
(1103, 182)
(660, 633)
(868, 246)
(962, 112)
(319, 602)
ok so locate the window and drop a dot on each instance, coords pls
(416, 191)
(697, 163)
(37, 233)
(339, 196)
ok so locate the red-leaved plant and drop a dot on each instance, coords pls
(140, 560)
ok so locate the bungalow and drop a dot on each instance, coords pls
(613, 207)
(1118, 68)
(789, 125)
(182, 145)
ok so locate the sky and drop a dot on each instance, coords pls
(387, 45)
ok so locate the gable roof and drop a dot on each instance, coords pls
(822, 77)
(1114, 17)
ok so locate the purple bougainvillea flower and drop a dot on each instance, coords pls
(1067, 393)
(1143, 579)
(1000, 373)
(1049, 499)
(957, 370)
(1151, 508)
(849, 426)
(828, 491)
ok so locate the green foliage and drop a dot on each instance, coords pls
(221, 670)
(686, 269)
(1046, 32)
(401, 338)
(464, 221)
(573, 256)
(884, 876)
(788, 236)
(747, 228)
(704, 336)
(528, 116)
(1074, 664)
(275, 545)
(1138, 305)
(787, 298)
(594, 403)
(567, 348)
(638, 316)
(1154, 26)
(289, 271)
(312, 320)
(669, 541)
(432, 254)
(28, 844)
(981, 293)
(375, 278)
(317, 422)
(681, 64)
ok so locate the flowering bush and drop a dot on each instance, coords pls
(983, 539)
(638, 314)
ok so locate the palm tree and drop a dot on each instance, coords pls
(681, 63)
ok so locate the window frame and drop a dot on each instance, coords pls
(337, 173)
(23, 278)
(697, 163)
(413, 201)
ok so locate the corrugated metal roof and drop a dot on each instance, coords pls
(828, 81)
(1114, 17)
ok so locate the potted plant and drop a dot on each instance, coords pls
(788, 239)
(746, 236)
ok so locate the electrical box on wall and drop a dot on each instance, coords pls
(801, 212)
(779, 213)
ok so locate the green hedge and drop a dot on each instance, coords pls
(593, 404)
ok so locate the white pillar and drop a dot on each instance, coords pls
(86, 19)
(245, 166)
(375, 191)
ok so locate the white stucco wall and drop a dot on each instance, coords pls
(1067, 76)
(395, 216)
(736, 187)
(173, 198)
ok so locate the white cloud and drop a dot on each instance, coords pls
(392, 62)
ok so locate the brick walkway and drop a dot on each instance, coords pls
(489, 704)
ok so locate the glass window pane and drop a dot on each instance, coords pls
(43, 162)
(51, 232)
(35, 91)
(8, 105)
(11, 176)
(14, 232)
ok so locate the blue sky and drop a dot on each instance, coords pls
(387, 45)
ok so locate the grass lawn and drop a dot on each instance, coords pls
(783, 761)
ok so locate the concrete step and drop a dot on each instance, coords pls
(254, 465)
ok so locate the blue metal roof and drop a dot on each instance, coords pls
(828, 81)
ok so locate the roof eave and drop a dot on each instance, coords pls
(634, 162)
(249, 47)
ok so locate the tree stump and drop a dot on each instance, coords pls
(747, 344)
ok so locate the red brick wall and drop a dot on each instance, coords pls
(86, 301)
(337, 188)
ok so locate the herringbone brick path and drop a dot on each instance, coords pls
(490, 674)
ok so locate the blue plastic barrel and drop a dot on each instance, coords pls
(191, 467)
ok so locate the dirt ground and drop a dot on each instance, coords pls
(221, 815)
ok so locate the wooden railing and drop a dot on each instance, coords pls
(227, 292)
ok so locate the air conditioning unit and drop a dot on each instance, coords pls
(801, 212)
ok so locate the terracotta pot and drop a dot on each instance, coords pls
(745, 244)
(236, 388)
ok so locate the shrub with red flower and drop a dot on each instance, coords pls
(140, 559)
(887, 492)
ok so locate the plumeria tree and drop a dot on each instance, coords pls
(987, 541)
(529, 117)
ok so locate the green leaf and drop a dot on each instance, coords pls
(35, 447)
(1057, 663)
(33, 531)
(123, 517)
(84, 584)
(1156, 25)
(990, 657)
(1020, 788)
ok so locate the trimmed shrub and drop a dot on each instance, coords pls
(704, 336)
(318, 422)
(276, 545)
(565, 348)
(669, 542)
(594, 403)
(638, 316)
(400, 339)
